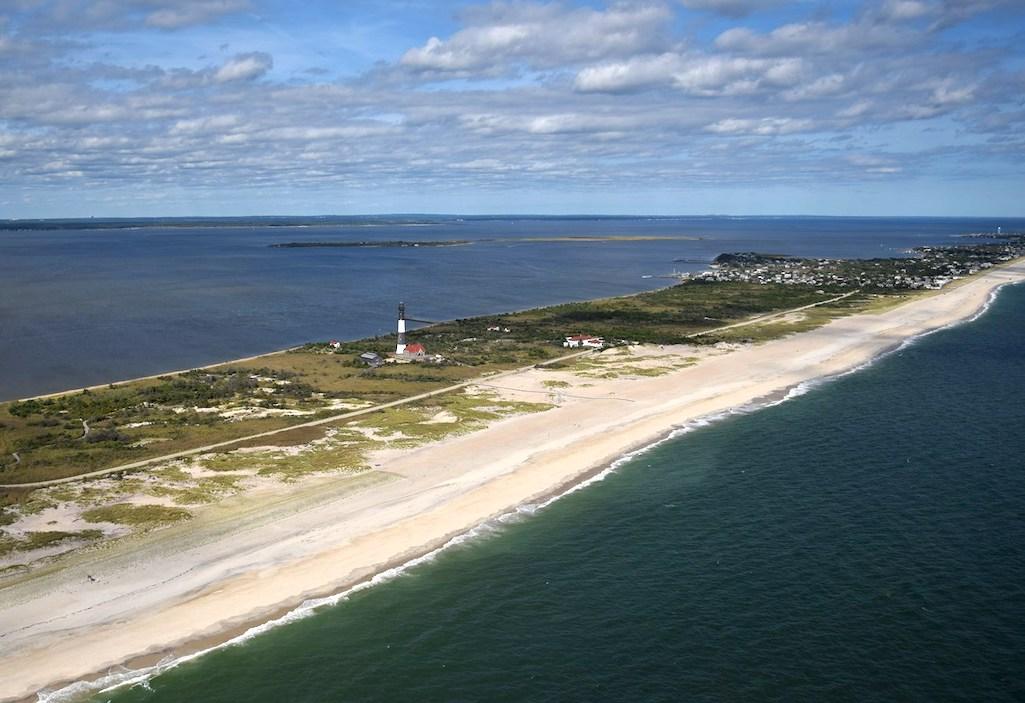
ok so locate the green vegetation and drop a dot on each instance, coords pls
(136, 515)
(344, 457)
(804, 320)
(666, 316)
(619, 363)
(44, 539)
(76, 433)
(194, 495)
(413, 425)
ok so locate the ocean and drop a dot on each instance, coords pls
(83, 306)
(863, 540)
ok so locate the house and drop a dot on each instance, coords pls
(371, 359)
(584, 340)
(334, 344)
(413, 352)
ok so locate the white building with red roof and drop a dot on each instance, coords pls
(415, 351)
(584, 340)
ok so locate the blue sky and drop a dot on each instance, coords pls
(233, 107)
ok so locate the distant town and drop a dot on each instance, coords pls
(930, 267)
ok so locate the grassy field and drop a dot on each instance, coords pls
(805, 320)
(77, 433)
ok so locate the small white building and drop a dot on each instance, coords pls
(584, 340)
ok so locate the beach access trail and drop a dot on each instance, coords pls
(193, 586)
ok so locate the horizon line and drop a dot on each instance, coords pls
(522, 215)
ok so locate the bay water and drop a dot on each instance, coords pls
(86, 305)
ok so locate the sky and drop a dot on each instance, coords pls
(274, 107)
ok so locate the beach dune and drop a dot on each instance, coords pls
(196, 585)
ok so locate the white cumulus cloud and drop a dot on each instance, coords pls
(244, 67)
(540, 36)
(695, 73)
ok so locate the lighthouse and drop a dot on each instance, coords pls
(400, 346)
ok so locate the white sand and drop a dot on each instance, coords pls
(251, 559)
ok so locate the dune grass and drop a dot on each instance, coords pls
(145, 516)
(43, 539)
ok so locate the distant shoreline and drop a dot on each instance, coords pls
(285, 221)
(391, 244)
(404, 243)
(418, 219)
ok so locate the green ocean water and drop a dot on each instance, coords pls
(864, 541)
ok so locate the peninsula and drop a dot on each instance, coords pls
(252, 487)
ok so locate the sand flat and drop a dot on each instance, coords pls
(252, 560)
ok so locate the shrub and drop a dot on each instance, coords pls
(137, 515)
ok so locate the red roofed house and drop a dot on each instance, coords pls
(584, 340)
(415, 352)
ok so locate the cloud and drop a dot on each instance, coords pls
(629, 75)
(942, 14)
(244, 67)
(697, 74)
(539, 36)
(205, 125)
(903, 10)
(121, 15)
(730, 8)
(817, 38)
(192, 12)
(764, 126)
(613, 98)
(554, 123)
(952, 12)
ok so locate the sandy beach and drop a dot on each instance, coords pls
(259, 556)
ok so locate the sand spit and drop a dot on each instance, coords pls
(255, 558)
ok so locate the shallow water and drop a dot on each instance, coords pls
(864, 541)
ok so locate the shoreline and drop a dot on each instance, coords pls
(126, 381)
(470, 496)
(285, 350)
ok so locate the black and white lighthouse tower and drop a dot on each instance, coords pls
(400, 346)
